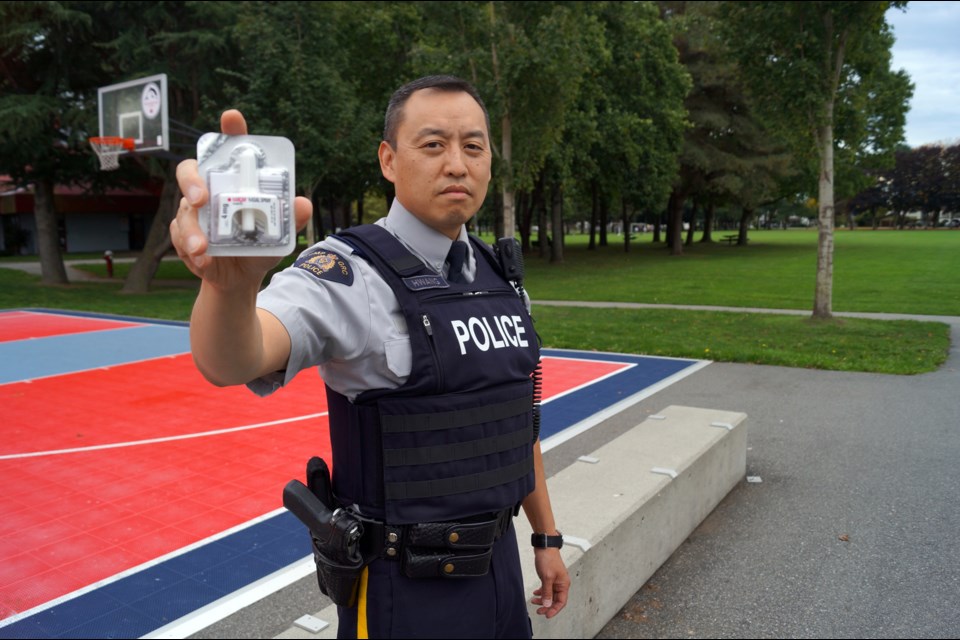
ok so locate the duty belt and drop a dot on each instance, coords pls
(432, 549)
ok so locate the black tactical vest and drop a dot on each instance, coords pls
(456, 439)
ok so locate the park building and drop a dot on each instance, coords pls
(115, 220)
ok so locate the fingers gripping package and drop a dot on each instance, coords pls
(251, 184)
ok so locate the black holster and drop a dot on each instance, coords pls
(334, 533)
(338, 580)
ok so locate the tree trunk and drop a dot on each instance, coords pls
(509, 215)
(52, 269)
(158, 239)
(594, 216)
(604, 218)
(693, 223)
(319, 228)
(556, 247)
(506, 137)
(745, 218)
(708, 224)
(823, 295)
(675, 222)
(523, 216)
(497, 207)
(626, 225)
(530, 217)
(543, 234)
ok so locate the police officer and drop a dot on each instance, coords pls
(402, 340)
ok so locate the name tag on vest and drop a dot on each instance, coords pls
(421, 283)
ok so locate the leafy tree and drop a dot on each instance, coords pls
(48, 77)
(919, 181)
(528, 60)
(816, 66)
(288, 83)
(641, 114)
(188, 41)
(951, 179)
(728, 156)
(872, 200)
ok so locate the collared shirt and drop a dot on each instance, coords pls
(341, 315)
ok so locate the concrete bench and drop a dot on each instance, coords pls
(624, 509)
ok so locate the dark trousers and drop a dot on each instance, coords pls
(390, 605)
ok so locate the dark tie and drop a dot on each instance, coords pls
(456, 258)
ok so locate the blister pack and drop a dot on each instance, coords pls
(251, 184)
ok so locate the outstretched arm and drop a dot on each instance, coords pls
(232, 341)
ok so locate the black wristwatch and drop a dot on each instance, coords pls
(543, 541)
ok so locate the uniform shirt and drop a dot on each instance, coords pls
(341, 315)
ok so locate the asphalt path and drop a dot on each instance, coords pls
(851, 531)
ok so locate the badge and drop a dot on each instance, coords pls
(326, 265)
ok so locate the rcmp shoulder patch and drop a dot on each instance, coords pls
(326, 265)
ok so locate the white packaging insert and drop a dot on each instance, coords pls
(251, 184)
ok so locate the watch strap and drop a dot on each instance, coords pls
(543, 541)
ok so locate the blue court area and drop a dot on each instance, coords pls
(266, 549)
(566, 414)
(58, 355)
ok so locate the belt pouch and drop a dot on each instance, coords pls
(337, 581)
(453, 535)
(430, 563)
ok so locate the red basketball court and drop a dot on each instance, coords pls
(119, 462)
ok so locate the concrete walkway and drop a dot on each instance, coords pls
(80, 275)
(73, 274)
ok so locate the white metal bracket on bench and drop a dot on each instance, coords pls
(667, 472)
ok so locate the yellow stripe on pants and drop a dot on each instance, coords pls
(362, 606)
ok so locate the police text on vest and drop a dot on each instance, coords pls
(486, 332)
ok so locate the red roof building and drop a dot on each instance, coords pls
(116, 220)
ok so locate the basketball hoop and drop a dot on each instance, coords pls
(108, 149)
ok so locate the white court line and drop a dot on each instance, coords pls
(134, 443)
(14, 315)
(229, 604)
(6, 315)
(146, 565)
(625, 366)
(575, 430)
(105, 367)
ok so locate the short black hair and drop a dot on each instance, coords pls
(394, 115)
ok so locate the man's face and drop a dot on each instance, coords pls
(441, 164)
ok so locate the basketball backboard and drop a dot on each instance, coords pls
(137, 110)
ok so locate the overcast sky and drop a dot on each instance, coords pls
(928, 48)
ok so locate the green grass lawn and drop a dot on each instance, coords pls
(915, 272)
(902, 346)
(912, 272)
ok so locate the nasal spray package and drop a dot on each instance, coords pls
(251, 181)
